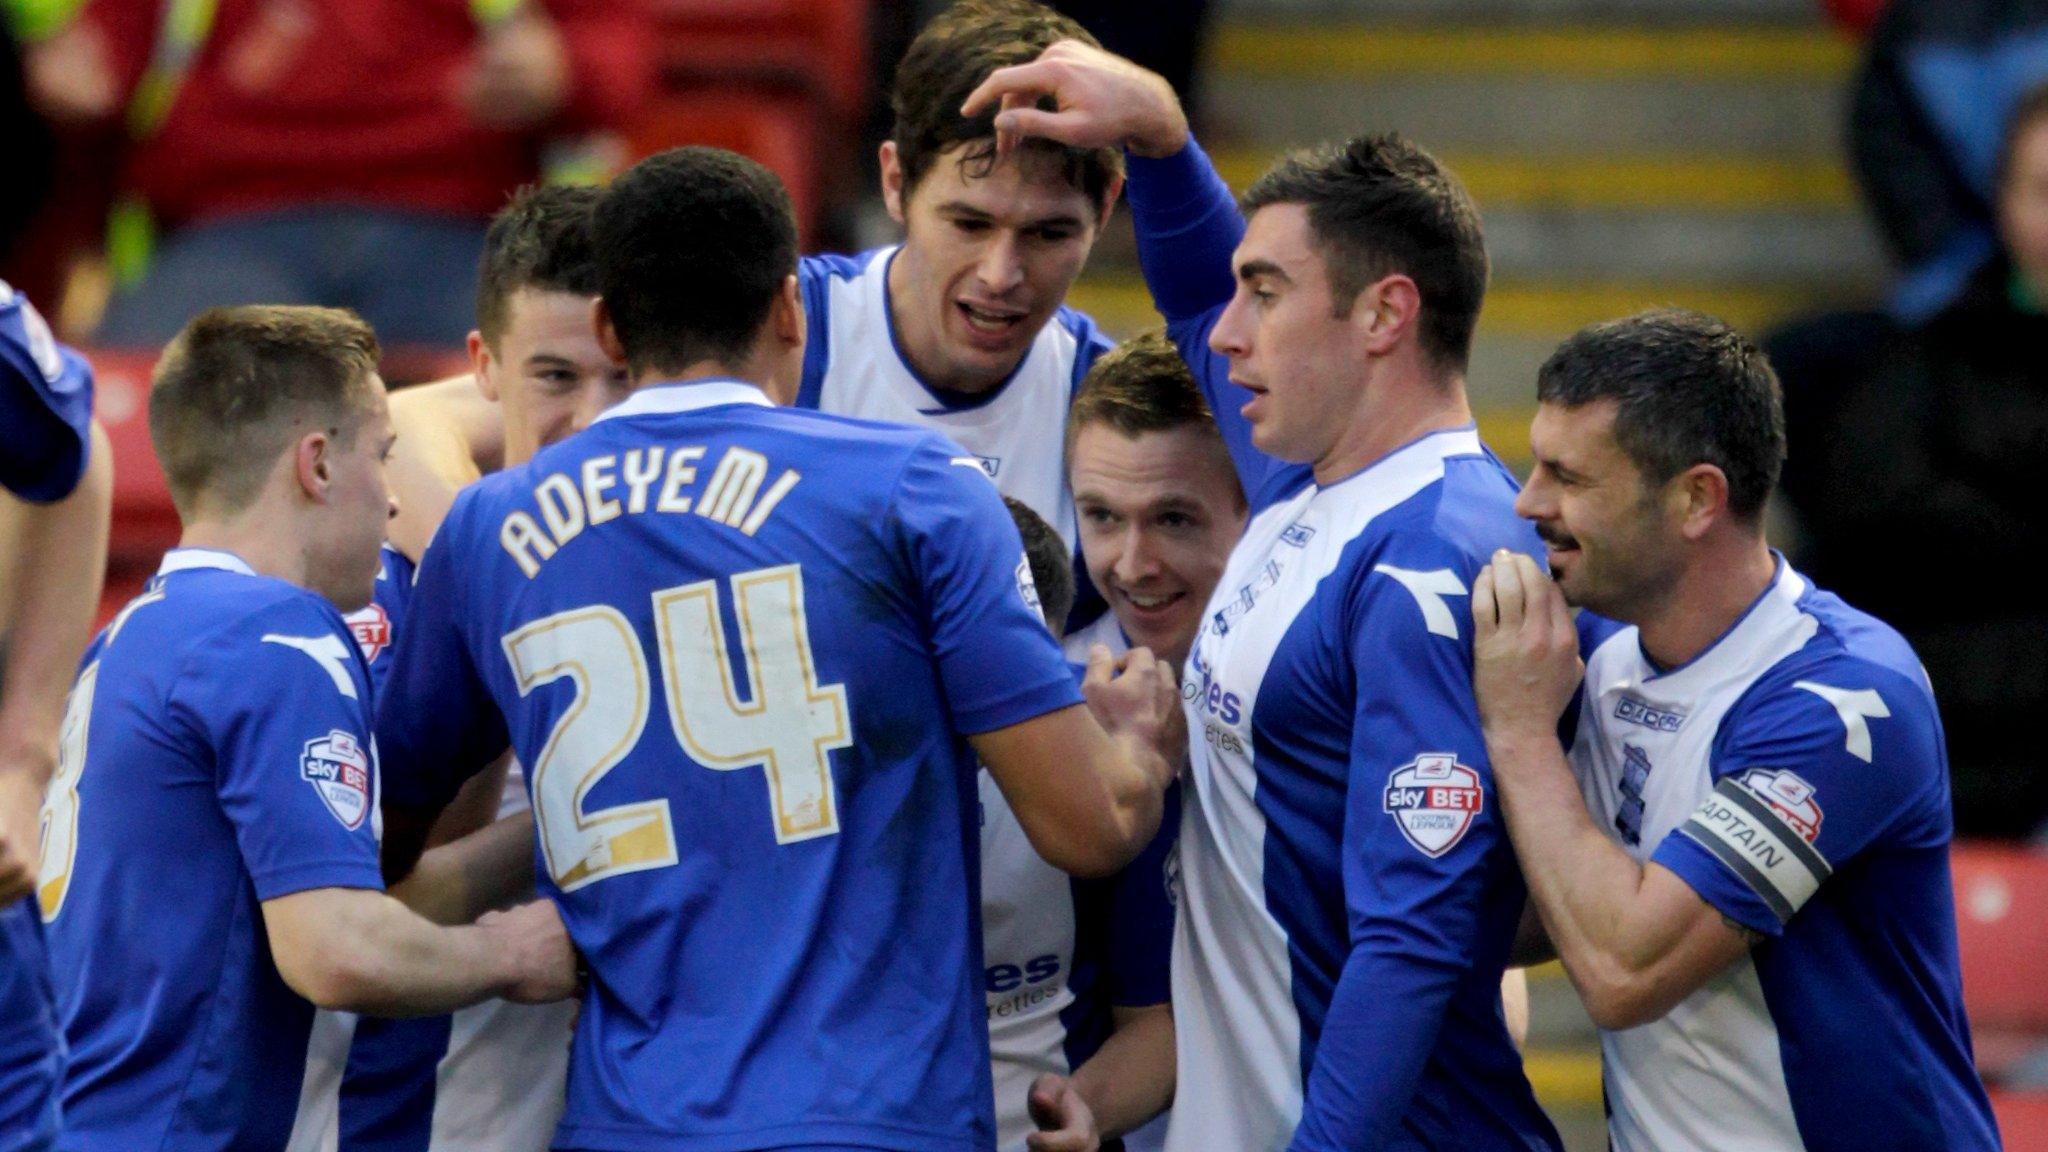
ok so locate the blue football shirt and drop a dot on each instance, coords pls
(738, 648)
(216, 755)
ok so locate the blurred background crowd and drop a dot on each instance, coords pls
(1861, 184)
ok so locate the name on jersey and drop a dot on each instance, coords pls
(339, 770)
(658, 479)
(1634, 711)
(1434, 799)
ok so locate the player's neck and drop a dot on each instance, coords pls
(1709, 597)
(755, 370)
(261, 536)
(1390, 417)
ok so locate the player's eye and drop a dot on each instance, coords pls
(1097, 515)
(1052, 235)
(970, 226)
(1176, 520)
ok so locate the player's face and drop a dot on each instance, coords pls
(2023, 204)
(986, 261)
(1611, 545)
(1287, 343)
(360, 505)
(1159, 514)
(547, 373)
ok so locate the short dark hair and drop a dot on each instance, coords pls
(541, 239)
(949, 59)
(1052, 565)
(2030, 111)
(693, 246)
(1687, 389)
(1141, 385)
(239, 384)
(1379, 205)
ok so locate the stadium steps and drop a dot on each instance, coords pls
(1624, 153)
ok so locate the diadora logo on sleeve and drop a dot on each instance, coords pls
(338, 767)
(1634, 711)
(1788, 795)
(372, 628)
(1434, 799)
(990, 465)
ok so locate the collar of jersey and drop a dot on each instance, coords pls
(184, 559)
(1785, 583)
(1423, 452)
(687, 396)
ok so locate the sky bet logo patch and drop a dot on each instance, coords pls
(1434, 799)
(339, 769)
(372, 628)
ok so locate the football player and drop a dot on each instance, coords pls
(743, 651)
(217, 763)
(56, 458)
(1348, 897)
(1743, 863)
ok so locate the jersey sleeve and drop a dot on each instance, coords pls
(1141, 925)
(1188, 226)
(1420, 826)
(998, 663)
(436, 721)
(284, 700)
(1811, 769)
(45, 405)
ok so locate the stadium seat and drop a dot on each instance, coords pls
(2002, 932)
(2022, 1120)
(818, 46)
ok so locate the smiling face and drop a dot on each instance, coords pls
(1159, 513)
(986, 261)
(1612, 544)
(547, 372)
(1287, 343)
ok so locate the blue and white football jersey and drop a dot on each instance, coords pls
(216, 754)
(853, 366)
(1060, 953)
(45, 411)
(45, 405)
(1348, 893)
(1795, 775)
(737, 647)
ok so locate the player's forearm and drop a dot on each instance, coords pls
(459, 881)
(1584, 886)
(1187, 225)
(448, 437)
(1382, 1025)
(1130, 1079)
(1136, 778)
(363, 951)
(63, 547)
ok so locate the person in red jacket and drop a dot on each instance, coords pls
(340, 152)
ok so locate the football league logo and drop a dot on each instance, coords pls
(1434, 799)
(371, 626)
(1791, 797)
(338, 768)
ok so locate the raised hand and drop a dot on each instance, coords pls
(1525, 651)
(1099, 100)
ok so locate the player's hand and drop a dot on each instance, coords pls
(1525, 651)
(1064, 1122)
(1137, 698)
(519, 77)
(538, 949)
(1099, 100)
(20, 819)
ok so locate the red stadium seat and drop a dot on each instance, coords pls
(2002, 933)
(2022, 1120)
(819, 46)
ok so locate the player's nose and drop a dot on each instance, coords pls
(1001, 267)
(1231, 336)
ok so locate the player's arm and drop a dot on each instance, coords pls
(1414, 891)
(60, 553)
(1085, 783)
(360, 950)
(449, 435)
(1634, 938)
(460, 880)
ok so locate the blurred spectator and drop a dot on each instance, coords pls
(1937, 85)
(1925, 505)
(342, 152)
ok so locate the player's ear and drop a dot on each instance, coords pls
(893, 191)
(312, 466)
(1386, 310)
(1700, 494)
(786, 315)
(1109, 198)
(483, 366)
(607, 332)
